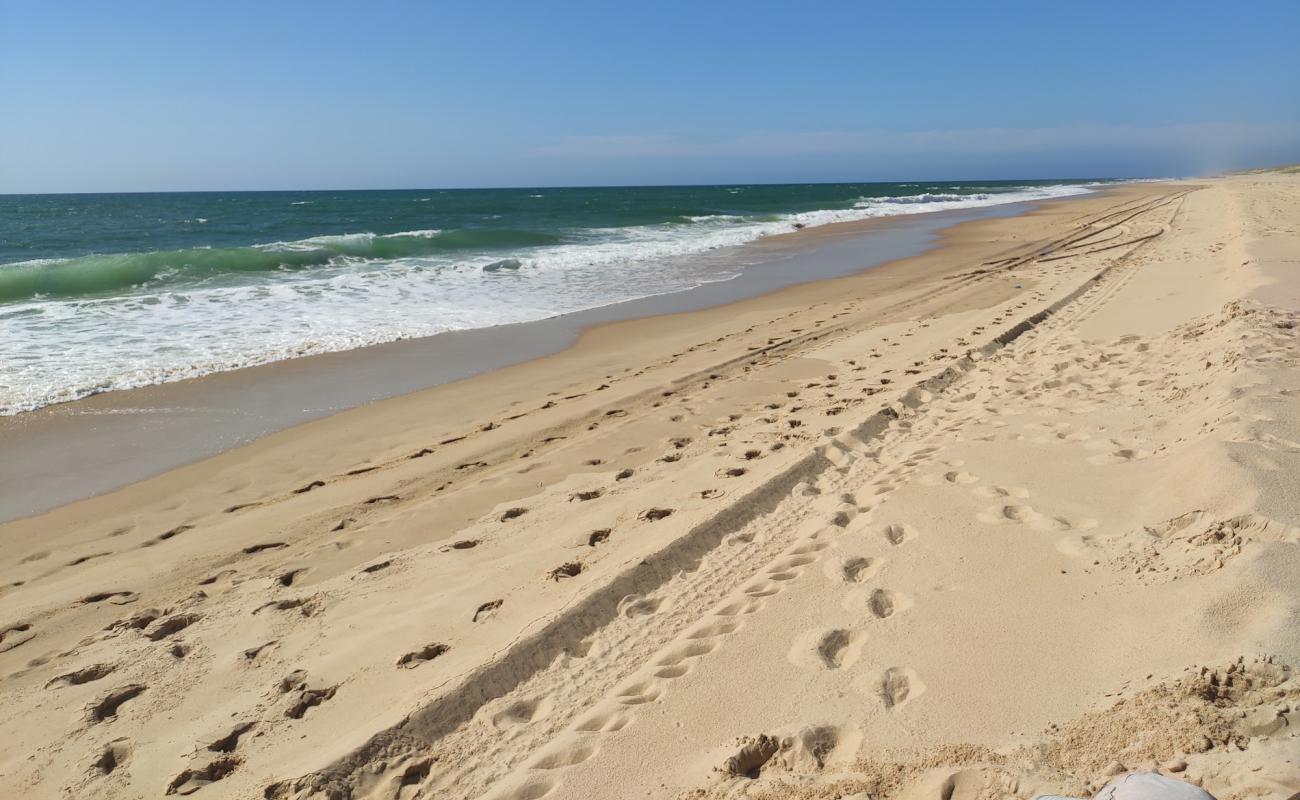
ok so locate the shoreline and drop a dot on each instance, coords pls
(218, 325)
(133, 434)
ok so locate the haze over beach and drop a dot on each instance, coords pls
(667, 401)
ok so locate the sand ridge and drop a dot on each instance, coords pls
(820, 533)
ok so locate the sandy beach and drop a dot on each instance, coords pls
(1011, 516)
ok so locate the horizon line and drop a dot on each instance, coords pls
(621, 185)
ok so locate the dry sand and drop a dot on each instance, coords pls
(1008, 517)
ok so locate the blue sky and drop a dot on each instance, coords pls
(139, 96)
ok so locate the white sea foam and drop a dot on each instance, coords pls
(423, 234)
(58, 350)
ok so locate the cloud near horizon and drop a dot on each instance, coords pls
(1207, 146)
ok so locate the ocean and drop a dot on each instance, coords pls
(114, 291)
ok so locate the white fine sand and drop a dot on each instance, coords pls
(901, 534)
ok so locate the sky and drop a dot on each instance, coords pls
(181, 95)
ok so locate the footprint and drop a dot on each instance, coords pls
(115, 754)
(676, 655)
(1017, 514)
(191, 780)
(815, 746)
(805, 489)
(119, 598)
(793, 562)
(530, 788)
(309, 699)
(714, 629)
(959, 477)
(885, 603)
(487, 611)
(566, 756)
(106, 708)
(844, 515)
(1000, 491)
(753, 755)
(897, 686)
(16, 635)
(258, 548)
(635, 605)
(899, 533)
(252, 653)
(84, 675)
(221, 575)
(569, 569)
(830, 649)
(1119, 456)
(856, 569)
(287, 578)
(604, 722)
(230, 741)
(513, 513)
(408, 784)
(671, 673)
(425, 654)
(306, 606)
(177, 531)
(640, 693)
(744, 537)
(170, 626)
(294, 680)
(839, 648)
(522, 712)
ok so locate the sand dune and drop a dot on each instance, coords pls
(1013, 516)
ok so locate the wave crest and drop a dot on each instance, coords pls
(99, 274)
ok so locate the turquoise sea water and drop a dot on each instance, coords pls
(103, 292)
